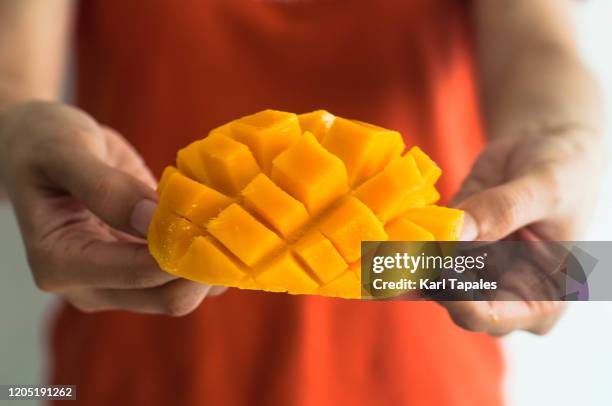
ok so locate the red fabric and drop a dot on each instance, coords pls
(164, 73)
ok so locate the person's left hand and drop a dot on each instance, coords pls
(540, 185)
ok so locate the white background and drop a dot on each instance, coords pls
(570, 366)
(573, 364)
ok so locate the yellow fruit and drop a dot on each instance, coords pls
(281, 202)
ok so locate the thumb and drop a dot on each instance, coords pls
(117, 198)
(494, 213)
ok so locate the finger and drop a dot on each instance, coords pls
(555, 309)
(217, 290)
(495, 318)
(127, 158)
(504, 316)
(90, 263)
(120, 200)
(177, 298)
(537, 317)
(495, 213)
(471, 316)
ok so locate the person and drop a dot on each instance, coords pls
(459, 78)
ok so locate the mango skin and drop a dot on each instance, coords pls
(280, 202)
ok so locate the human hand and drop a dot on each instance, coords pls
(540, 185)
(83, 199)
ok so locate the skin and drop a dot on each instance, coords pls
(83, 197)
(540, 173)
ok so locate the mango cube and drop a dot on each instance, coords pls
(318, 123)
(321, 257)
(189, 163)
(443, 222)
(402, 229)
(429, 170)
(284, 213)
(229, 165)
(267, 134)
(166, 175)
(206, 262)
(284, 273)
(347, 286)
(243, 235)
(384, 192)
(192, 200)
(365, 149)
(310, 174)
(170, 237)
(348, 225)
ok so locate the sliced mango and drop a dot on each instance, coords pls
(229, 165)
(428, 168)
(284, 213)
(281, 202)
(364, 148)
(347, 285)
(166, 175)
(267, 134)
(284, 273)
(427, 195)
(384, 192)
(169, 238)
(188, 161)
(402, 229)
(318, 123)
(348, 225)
(243, 235)
(206, 262)
(443, 222)
(310, 174)
(320, 256)
(194, 201)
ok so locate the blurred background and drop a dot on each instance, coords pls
(572, 365)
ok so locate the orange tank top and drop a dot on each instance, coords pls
(164, 73)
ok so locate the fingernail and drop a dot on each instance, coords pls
(141, 215)
(469, 232)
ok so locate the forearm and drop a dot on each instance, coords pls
(543, 89)
(532, 78)
(33, 45)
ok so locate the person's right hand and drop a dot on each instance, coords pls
(83, 199)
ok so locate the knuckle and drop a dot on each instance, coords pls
(177, 303)
(510, 206)
(470, 319)
(144, 273)
(143, 278)
(540, 331)
(44, 283)
(471, 323)
(500, 332)
(552, 178)
(87, 307)
(542, 328)
(88, 301)
(43, 271)
(101, 191)
(506, 216)
(550, 313)
(217, 290)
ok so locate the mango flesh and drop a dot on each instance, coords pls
(281, 202)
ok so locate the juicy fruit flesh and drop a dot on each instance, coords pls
(281, 202)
